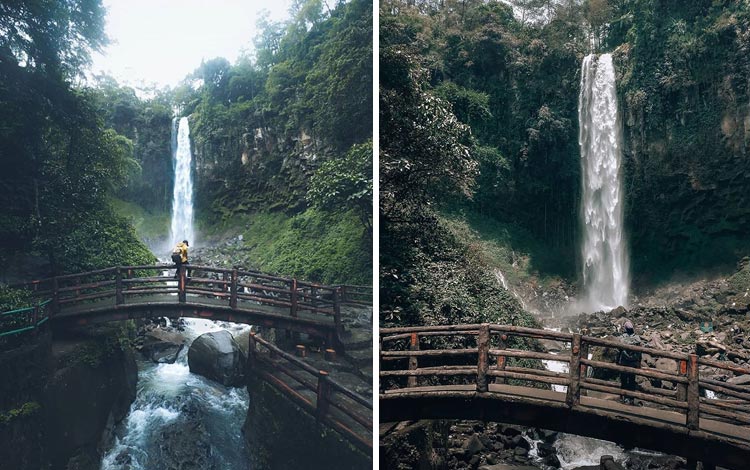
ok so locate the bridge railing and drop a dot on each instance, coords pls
(21, 320)
(314, 390)
(231, 287)
(483, 354)
(356, 295)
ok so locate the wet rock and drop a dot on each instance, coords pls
(162, 346)
(666, 364)
(473, 445)
(217, 356)
(619, 311)
(184, 444)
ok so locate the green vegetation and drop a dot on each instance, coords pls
(148, 225)
(30, 408)
(314, 245)
(479, 136)
(11, 299)
(685, 95)
(60, 159)
(279, 132)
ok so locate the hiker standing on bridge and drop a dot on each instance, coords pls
(180, 257)
(629, 358)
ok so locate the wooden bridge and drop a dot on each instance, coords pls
(494, 373)
(241, 296)
(235, 295)
(315, 391)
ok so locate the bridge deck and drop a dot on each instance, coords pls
(616, 409)
(193, 300)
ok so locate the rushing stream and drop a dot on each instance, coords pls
(177, 414)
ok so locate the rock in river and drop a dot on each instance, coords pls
(217, 356)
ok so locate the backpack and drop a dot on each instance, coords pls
(176, 255)
(630, 358)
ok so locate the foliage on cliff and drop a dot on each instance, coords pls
(514, 82)
(427, 276)
(683, 72)
(263, 126)
(60, 160)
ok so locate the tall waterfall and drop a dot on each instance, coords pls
(182, 199)
(605, 261)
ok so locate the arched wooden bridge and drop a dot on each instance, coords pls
(493, 373)
(235, 295)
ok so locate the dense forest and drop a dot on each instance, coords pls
(282, 144)
(480, 165)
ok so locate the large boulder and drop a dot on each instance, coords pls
(162, 346)
(217, 356)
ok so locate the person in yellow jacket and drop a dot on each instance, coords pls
(180, 257)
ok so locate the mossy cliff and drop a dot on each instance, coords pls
(684, 85)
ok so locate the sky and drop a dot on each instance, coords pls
(161, 41)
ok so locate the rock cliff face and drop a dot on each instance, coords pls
(90, 389)
(267, 169)
(686, 115)
(65, 399)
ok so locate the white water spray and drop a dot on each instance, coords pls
(605, 263)
(182, 200)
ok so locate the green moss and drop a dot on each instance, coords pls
(314, 245)
(27, 409)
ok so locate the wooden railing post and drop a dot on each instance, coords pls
(293, 298)
(233, 290)
(225, 280)
(501, 360)
(483, 344)
(693, 393)
(413, 363)
(55, 295)
(337, 310)
(181, 285)
(119, 296)
(682, 369)
(573, 396)
(323, 395)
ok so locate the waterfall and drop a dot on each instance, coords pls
(605, 263)
(182, 200)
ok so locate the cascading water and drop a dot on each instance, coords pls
(182, 200)
(178, 415)
(180, 418)
(605, 263)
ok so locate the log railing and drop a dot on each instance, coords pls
(236, 288)
(314, 390)
(356, 295)
(482, 354)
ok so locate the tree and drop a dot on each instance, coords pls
(342, 184)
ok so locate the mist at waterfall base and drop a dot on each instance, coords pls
(604, 254)
(182, 196)
(169, 394)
